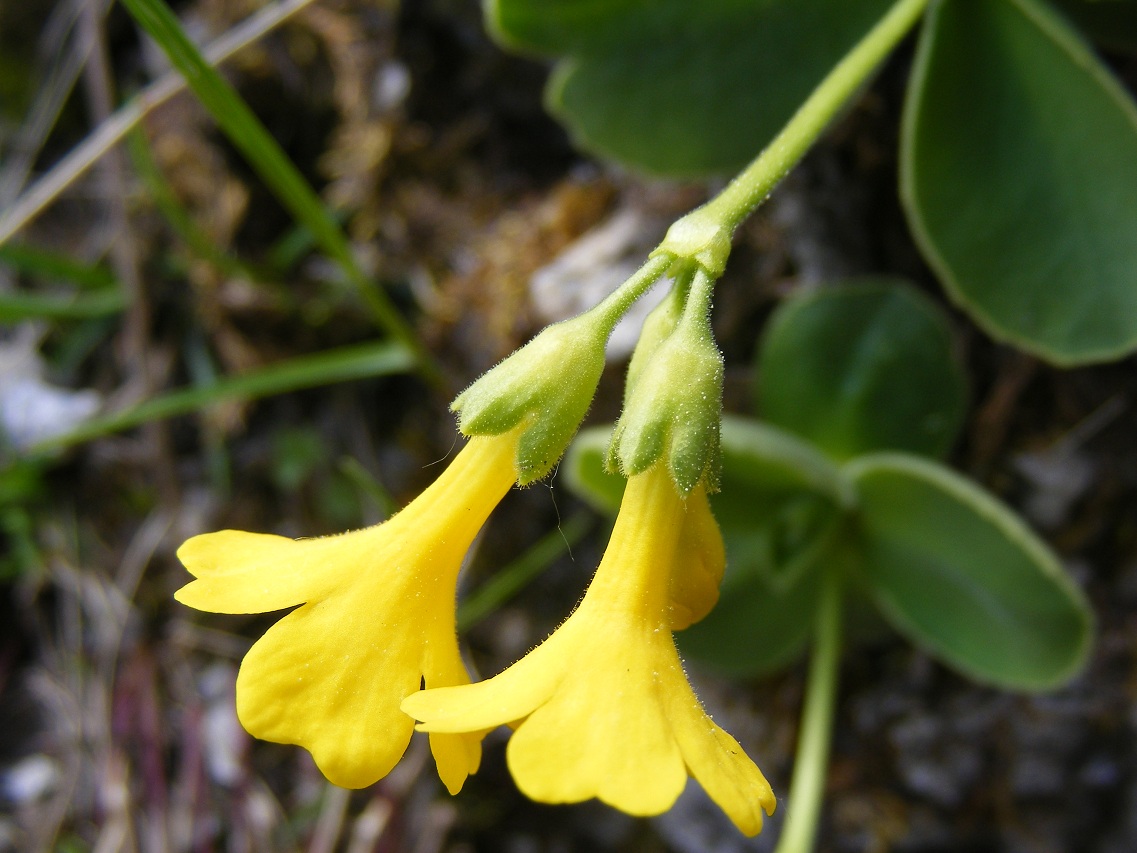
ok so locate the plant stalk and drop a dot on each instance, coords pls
(754, 184)
(618, 302)
(807, 790)
(704, 234)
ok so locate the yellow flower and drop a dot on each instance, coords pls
(376, 620)
(603, 708)
(697, 564)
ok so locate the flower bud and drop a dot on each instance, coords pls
(546, 387)
(657, 328)
(674, 408)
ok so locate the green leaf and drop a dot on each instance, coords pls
(779, 499)
(681, 88)
(763, 466)
(1019, 177)
(556, 27)
(959, 574)
(862, 367)
(1111, 23)
(21, 483)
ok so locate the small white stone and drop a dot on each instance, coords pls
(391, 86)
(32, 410)
(595, 265)
(31, 779)
(224, 739)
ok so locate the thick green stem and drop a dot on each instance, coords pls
(704, 234)
(811, 763)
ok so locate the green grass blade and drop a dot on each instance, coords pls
(104, 299)
(516, 576)
(50, 265)
(72, 166)
(17, 307)
(340, 365)
(251, 138)
(287, 252)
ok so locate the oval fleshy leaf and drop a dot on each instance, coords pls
(862, 367)
(1112, 24)
(558, 27)
(1019, 175)
(959, 574)
(680, 88)
(769, 464)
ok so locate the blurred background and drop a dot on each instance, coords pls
(180, 352)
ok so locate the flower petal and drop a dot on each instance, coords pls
(503, 699)
(239, 572)
(329, 677)
(456, 755)
(603, 734)
(376, 617)
(698, 564)
(598, 703)
(719, 764)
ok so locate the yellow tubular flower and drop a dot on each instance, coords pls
(603, 708)
(377, 619)
(697, 565)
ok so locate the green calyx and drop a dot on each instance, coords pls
(547, 385)
(657, 328)
(673, 404)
